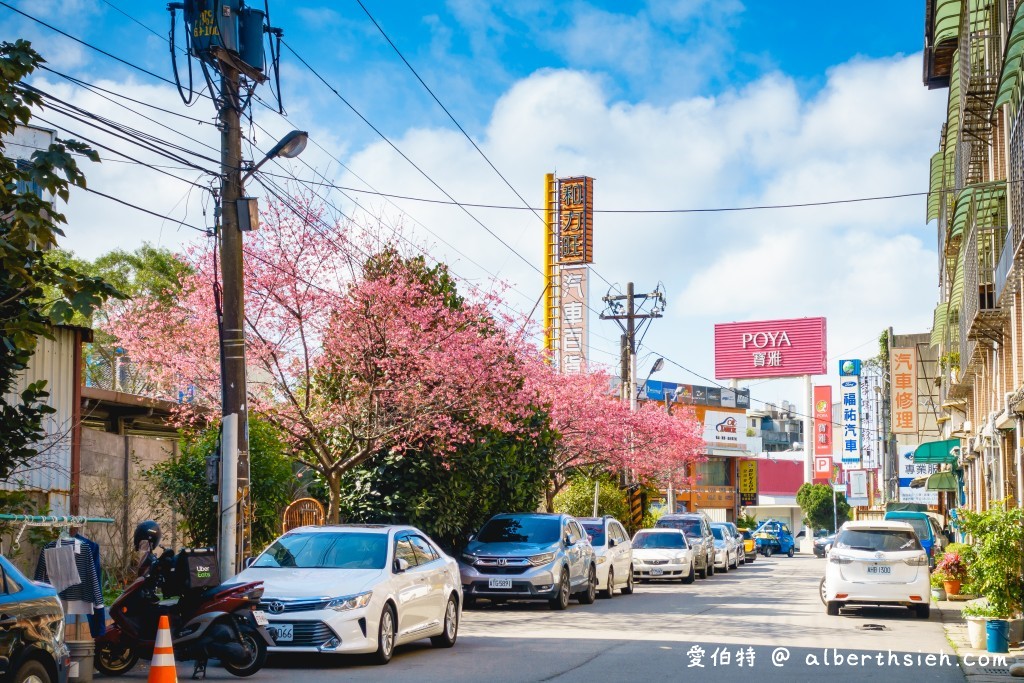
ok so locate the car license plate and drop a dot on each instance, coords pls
(261, 617)
(499, 583)
(657, 572)
(282, 633)
(879, 569)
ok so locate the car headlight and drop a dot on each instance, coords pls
(839, 559)
(639, 560)
(679, 558)
(602, 559)
(917, 561)
(350, 602)
(542, 559)
(468, 559)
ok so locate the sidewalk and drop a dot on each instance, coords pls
(956, 632)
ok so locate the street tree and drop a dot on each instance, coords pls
(35, 293)
(816, 502)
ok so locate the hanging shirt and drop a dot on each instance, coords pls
(97, 620)
(87, 589)
(61, 572)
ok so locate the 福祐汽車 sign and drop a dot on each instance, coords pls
(770, 348)
(849, 396)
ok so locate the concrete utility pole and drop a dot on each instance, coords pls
(234, 461)
(890, 468)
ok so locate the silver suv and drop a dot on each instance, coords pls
(697, 527)
(529, 556)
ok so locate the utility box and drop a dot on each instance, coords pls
(212, 23)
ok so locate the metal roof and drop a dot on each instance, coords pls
(936, 452)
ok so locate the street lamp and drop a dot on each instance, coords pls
(658, 365)
(289, 147)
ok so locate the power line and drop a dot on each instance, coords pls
(144, 210)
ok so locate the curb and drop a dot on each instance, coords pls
(977, 665)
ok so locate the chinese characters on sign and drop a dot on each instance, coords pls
(574, 340)
(849, 391)
(823, 420)
(903, 373)
(575, 220)
(748, 482)
(770, 348)
(910, 470)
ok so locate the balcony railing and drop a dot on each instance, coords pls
(1007, 256)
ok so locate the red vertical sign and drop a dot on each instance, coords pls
(823, 420)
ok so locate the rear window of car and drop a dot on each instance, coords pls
(596, 532)
(718, 532)
(747, 536)
(525, 529)
(877, 540)
(690, 527)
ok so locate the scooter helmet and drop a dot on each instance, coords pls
(147, 531)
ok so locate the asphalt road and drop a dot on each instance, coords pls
(763, 622)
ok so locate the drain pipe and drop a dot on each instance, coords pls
(1019, 448)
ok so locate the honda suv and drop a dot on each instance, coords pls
(32, 644)
(697, 527)
(529, 556)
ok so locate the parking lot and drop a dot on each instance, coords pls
(763, 621)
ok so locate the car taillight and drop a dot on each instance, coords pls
(839, 559)
(917, 561)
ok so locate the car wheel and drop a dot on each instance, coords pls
(821, 591)
(691, 576)
(832, 608)
(451, 625)
(385, 636)
(628, 588)
(923, 611)
(725, 565)
(610, 591)
(561, 600)
(767, 551)
(711, 566)
(790, 553)
(31, 672)
(588, 596)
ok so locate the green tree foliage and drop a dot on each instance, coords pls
(997, 557)
(577, 499)
(450, 496)
(816, 502)
(182, 484)
(29, 227)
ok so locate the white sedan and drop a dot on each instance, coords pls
(357, 590)
(877, 563)
(662, 554)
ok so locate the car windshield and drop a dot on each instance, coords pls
(878, 540)
(596, 532)
(747, 536)
(690, 527)
(921, 527)
(350, 550)
(658, 541)
(525, 529)
(718, 532)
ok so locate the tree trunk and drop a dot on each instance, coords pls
(334, 483)
(549, 498)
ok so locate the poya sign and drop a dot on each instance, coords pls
(770, 348)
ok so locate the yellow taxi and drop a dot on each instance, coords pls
(749, 544)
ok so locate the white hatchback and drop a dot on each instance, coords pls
(663, 554)
(357, 589)
(877, 563)
(613, 553)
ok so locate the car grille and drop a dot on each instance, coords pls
(309, 634)
(502, 565)
(656, 562)
(292, 605)
(501, 570)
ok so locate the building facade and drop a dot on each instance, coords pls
(973, 48)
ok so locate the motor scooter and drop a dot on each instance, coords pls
(208, 620)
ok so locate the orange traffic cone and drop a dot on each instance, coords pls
(162, 669)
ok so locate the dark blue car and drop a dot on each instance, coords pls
(32, 648)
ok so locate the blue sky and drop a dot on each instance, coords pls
(686, 103)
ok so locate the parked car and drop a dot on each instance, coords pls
(823, 544)
(928, 532)
(663, 554)
(727, 552)
(357, 589)
(735, 531)
(530, 556)
(749, 545)
(875, 562)
(613, 553)
(32, 647)
(697, 527)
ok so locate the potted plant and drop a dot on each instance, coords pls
(954, 571)
(977, 614)
(938, 591)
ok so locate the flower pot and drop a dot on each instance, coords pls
(1016, 631)
(976, 632)
(997, 631)
(938, 593)
(952, 587)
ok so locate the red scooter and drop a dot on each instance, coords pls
(207, 621)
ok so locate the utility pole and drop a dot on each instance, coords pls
(234, 488)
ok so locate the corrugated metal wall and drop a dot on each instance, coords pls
(54, 361)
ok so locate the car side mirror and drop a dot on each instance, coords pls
(567, 540)
(401, 565)
(470, 537)
(248, 561)
(612, 543)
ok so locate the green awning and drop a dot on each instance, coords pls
(939, 324)
(947, 21)
(941, 481)
(961, 212)
(956, 293)
(1010, 74)
(936, 452)
(952, 114)
(935, 186)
